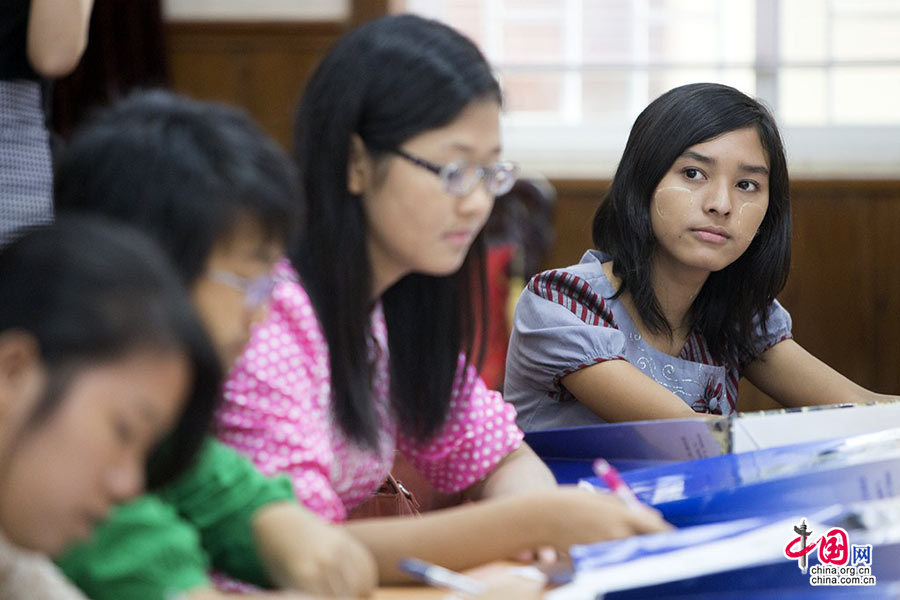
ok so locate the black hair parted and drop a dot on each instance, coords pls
(92, 291)
(730, 302)
(387, 81)
(182, 170)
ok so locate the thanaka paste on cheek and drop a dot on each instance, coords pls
(749, 217)
(673, 201)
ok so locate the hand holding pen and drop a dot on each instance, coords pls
(611, 477)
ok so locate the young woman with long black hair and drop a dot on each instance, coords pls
(369, 344)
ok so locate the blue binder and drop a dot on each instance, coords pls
(569, 452)
(792, 478)
(875, 523)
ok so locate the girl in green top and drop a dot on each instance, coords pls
(100, 357)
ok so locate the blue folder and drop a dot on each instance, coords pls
(790, 478)
(875, 523)
(569, 452)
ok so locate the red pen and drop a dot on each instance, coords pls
(617, 485)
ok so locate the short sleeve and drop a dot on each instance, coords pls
(480, 430)
(220, 497)
(144, 550)
(778, 328)
(560, 326)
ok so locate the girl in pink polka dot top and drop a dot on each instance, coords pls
(368, 344)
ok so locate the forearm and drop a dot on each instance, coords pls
(57, 35)
(794, 377)
(281, 532)
(300, 551)
(474, 534)
(617, 391)
(520, 471)
(456, 538)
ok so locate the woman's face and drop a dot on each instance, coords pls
(413, 224)
(709, 205)
(61, 476)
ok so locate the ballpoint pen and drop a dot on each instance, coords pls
(440, 577)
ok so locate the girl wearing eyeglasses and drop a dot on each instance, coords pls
(677, 301)
(369, 345)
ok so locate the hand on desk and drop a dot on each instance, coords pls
(576, 516)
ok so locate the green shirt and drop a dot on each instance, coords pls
(164, 543)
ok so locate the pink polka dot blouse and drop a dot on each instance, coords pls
(277, 411)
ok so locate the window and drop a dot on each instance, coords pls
(577, 72)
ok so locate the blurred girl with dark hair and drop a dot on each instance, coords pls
(101, 359)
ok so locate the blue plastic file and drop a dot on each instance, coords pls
(736, 559)
(569, 452)
(767, 482)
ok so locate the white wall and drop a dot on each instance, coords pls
(256, 10)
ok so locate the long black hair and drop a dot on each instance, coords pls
(732, 299)
(90, 293)
(386, 82)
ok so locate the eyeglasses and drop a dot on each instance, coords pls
(460, 178)
(257, 291)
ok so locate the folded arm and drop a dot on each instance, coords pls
(794, 377)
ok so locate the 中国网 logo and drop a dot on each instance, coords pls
(840, 562)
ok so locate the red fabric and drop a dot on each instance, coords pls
(493, 368)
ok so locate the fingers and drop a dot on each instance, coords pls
(359, 572)
(592, 517)
(547, 555)
(648, 520)
(525, 556)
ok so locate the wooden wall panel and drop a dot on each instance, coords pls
(576, 201)
(844, 288)
(886, 282)
(261, 67)
(830, 289)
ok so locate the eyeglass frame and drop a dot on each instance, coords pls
(257, 290)
(443, 172)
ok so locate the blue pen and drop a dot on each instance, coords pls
(438, 576)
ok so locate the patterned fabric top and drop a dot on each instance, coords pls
(567, 320)
(278, 411)
(26, 172)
